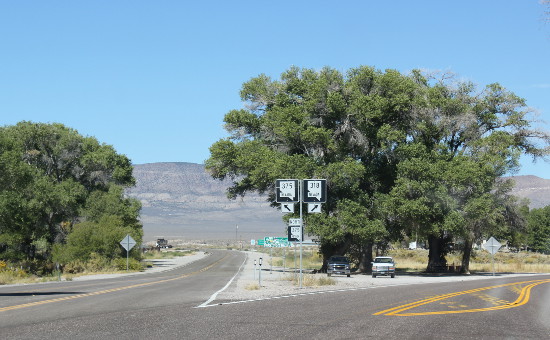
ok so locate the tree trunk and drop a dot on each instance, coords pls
(436, 256)
(366, 258)
(465, 269)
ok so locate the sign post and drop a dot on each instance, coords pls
(492, 246)
(260, 273)
(127, 243)
(311, 191)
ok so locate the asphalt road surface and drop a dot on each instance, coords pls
(182, 304)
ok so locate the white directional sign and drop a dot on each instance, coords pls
(314, 208)
(294, 222)
(315, 190)
(128, 243)
(492, 245)
(286, 190)
(294, 234)
(287, 208)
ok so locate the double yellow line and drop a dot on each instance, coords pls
(522, 299)
(78, 296)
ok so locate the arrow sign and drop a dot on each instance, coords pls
(287, 208)
(314, 208)
(128, 243)
(492, 245)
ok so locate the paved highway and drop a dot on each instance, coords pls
(181, 304)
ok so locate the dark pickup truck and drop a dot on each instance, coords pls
(338, 265)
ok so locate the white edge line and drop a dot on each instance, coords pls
(213, 297)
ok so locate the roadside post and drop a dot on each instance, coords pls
(254, 269)
(492, 246)
(260, 274)
(284, 260)
(58, 271)
(127, 243)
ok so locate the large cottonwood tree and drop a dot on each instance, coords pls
(375, 136)
(51, 178)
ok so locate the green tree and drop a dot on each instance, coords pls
(401, 147)
(461, 144)
(539, 230)
(102, 238)
(48, 174)
(321, 125)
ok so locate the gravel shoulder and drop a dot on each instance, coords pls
(277, 281)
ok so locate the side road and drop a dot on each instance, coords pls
(158, 265)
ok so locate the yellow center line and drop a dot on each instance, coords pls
(72, 297)
(522, 299)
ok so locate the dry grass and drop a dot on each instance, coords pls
(523, 262)
(252, 286)
(416, 260)
(310, 280)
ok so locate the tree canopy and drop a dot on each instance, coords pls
(402, 154)
(51, 179)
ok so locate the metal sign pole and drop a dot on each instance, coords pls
(295, 266)
(301, 184)
(493, 263)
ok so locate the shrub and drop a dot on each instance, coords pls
(133, 264)
(75, 267)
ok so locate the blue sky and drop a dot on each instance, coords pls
(155, 78)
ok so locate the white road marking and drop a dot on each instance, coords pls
(213, 297)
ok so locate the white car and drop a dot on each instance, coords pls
(383, 265)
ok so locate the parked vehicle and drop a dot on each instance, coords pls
(162, 243)
(383, 265)
(338, 265)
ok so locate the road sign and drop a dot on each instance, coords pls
(280, 242)
(294, 222)
(314, 208)
(294, 234)
(492, 245)
(287, 208)
(315, 190)
(275, 242)
(128, 243)
(286, 191)
(260, 242)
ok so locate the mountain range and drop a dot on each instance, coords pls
(182, 201)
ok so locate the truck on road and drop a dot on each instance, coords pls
(383, 265)
(338, 265)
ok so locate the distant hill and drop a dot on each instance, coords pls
(181, 200)
(536, 189)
